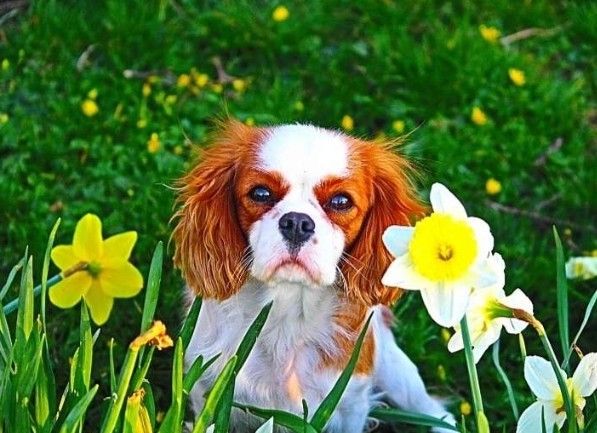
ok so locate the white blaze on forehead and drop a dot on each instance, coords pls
(304, 154)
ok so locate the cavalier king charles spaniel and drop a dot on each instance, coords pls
(294, 214)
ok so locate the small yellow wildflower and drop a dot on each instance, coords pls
(493, 186)
(517, 76)
(89, 108)
(478, 116)
(178, 150)
(249, 121)
(3, 118)
(490, 34)
(446, 335)
(146, 89)
(239, 85)
(183, 80)
(171, 99)
(5, 64)
(280, 14)
(217, 88)
(398, 126)
(153, 144)
(141, 123)
(201, 80)
(299, 106)
(156, 336)
(92, 94)
(347, 122)
(107, 274)
(465, 408)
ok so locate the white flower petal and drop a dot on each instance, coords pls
(396, 239)
(513, 326)
(484, 277)
(443, 201)
(541, 378)
(484, 238)
(585, 375)
(584, 268)
(401, 273)
(445, 303)
(518, 300)
(486, 339)
(530, 420)
(456, 343)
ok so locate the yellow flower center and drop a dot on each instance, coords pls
(442, 247)
(577, 399)
(94, 269)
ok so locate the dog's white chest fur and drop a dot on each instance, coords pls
(284, 365)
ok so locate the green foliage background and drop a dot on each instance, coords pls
(422, 62)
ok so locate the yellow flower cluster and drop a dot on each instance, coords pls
(89, 108)
(517, 76)
(493, 186)
(153, 144)
(478, 116)
(280, 14)
(347, 123)
(490, 34)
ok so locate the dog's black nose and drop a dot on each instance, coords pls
(296, 228)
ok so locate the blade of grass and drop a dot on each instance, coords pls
(329, 403)
(11, 276)
(393, 415)
(78, 412)
(289, 420)
(26, 309)
(562, 295)
(152, 292)
(496, 362)
(585, 320)
(44, 272)
(189, 324)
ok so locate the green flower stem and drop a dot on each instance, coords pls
(12, 305)
(568, 405)
(482, 425)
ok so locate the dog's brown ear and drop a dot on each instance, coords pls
(393, 202)
(209, 241)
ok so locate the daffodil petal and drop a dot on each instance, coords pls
(446, 304)
(396, 239)
(486, 339)
(530, 420)
(585, 375)
(87, 240)
(516, 300)
(117, 248)
(121, 281)
(401, 273)
(456, 343)
(541, 378)
(443, 201)
(64, 256)
(99, 303)
(68, 292)
(483, 236)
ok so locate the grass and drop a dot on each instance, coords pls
(423, 63)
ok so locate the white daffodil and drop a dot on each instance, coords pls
(541, 378)
(489, 311)
(583, 268)
(444, 256)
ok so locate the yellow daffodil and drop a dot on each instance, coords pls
(89, 107)
(153, 144)
(347, 123)
(541, 378)
(156, 336)
(183, 80)
(108, 273)
(239, 85)
(478, 116)
(517, 76)
(490, 34)
(444, 256)
(493, 186)
(489, 310)
(582, 268)
(398, 126)
(3, 118)
(280, 14)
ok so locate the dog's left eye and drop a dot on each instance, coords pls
(340, 202)
(261, 194)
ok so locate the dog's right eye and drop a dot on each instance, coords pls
(261, 194)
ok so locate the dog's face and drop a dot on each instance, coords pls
(292, 203)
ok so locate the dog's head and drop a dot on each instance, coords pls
(292, 203)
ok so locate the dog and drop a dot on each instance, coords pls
(294, 214)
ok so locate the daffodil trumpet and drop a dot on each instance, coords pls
(81, 266)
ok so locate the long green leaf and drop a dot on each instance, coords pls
(44, 271)
(392, 415)
(285, 419)
(153, 287)
(329, 403)
(562, 294)
(222, 382)
(11, 276)
(85, 358)
(189, 324)
(26, 309)
(77, 413)
(496, 362)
